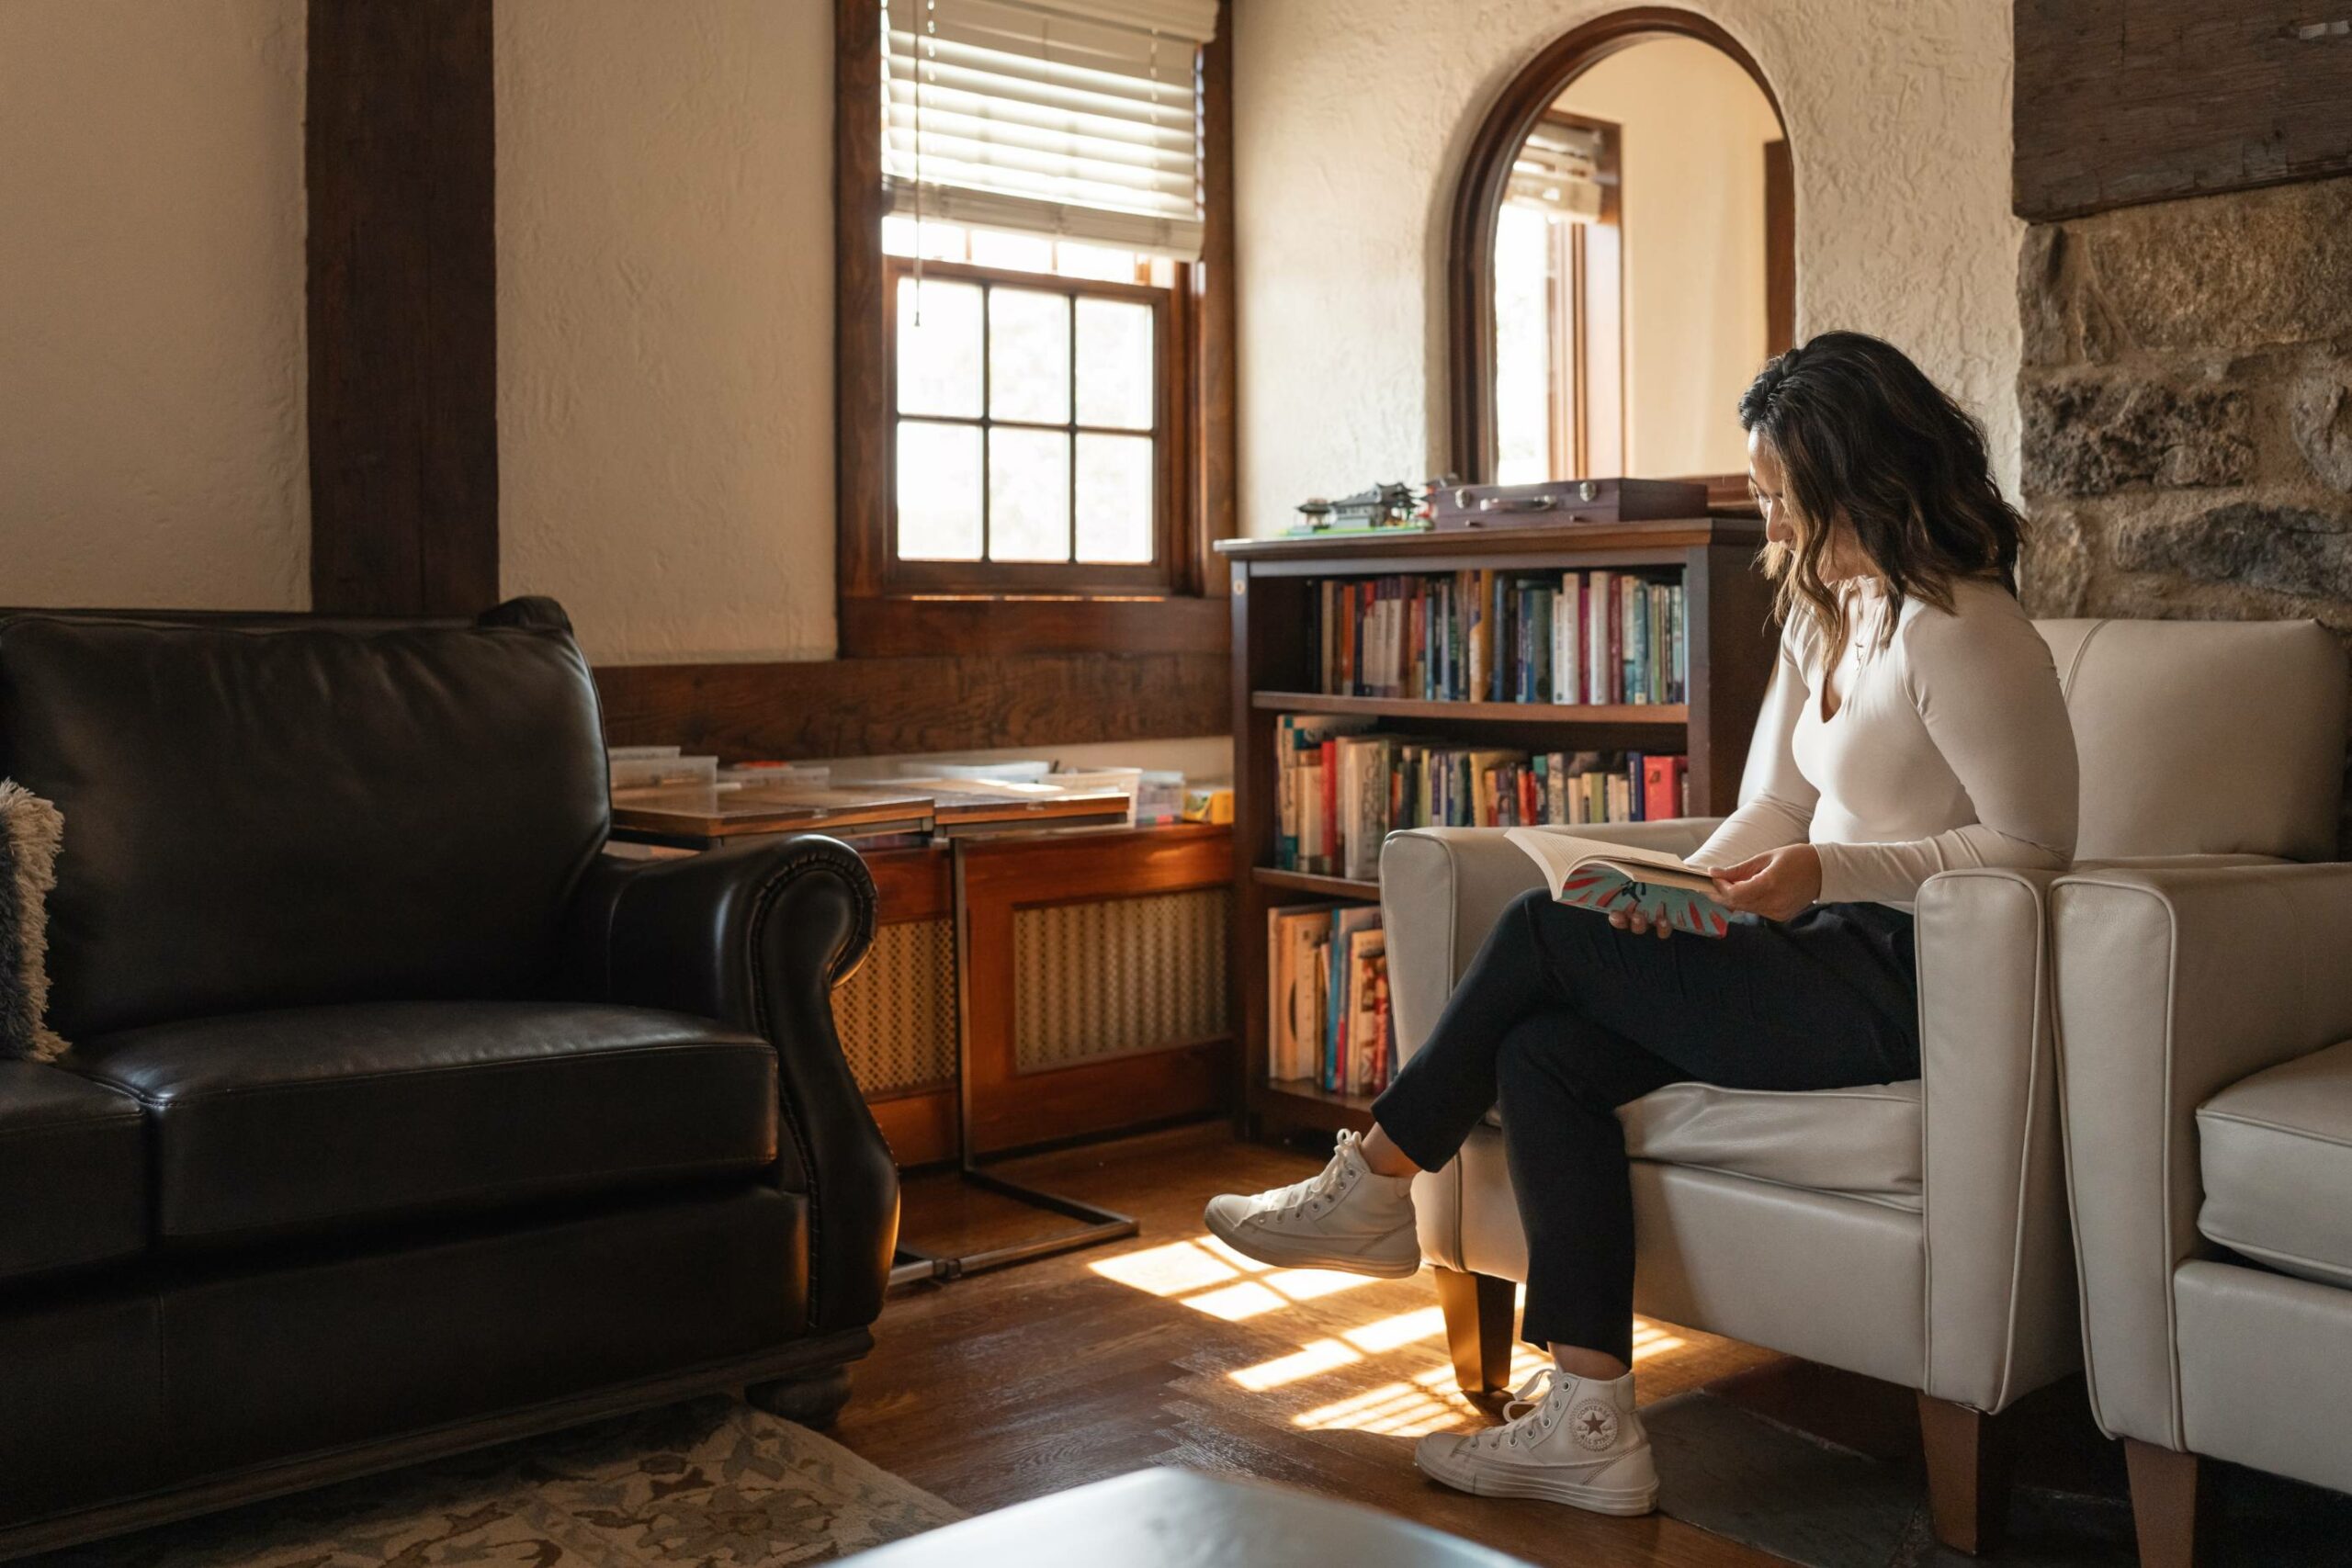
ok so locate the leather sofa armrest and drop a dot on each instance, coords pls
(757, 937)
(2171, 985)
(2001, 1316)
(1441, 890)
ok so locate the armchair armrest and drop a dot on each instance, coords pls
(1441, 890)
(757, 937)
(2170, 985)
(2001, 1313)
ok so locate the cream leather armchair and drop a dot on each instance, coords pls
(1914, 1232)
(2205, 1030)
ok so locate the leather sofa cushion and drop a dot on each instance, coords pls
(1851, 1143)
(73, 1171)
(313, 1120)
(2275, 1152)
(292, 812)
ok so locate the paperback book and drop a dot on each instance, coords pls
(1589, 874)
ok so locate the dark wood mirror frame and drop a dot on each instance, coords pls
(1470, 223)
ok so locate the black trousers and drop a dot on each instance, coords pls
(1562, 1018)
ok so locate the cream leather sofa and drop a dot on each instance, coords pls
(2205, 1049)
(1913, 1232)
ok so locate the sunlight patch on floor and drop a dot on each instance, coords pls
(1236, 1301)
(1208, 1276)
(1402, 1329)
(1167, 1270)
(1319, 1357)
(1392, 1410)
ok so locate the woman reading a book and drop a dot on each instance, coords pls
(1914, 725)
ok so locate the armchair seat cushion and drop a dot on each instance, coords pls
(73, 1172)
(330, 1119)
(2276, 1156)
(1850, 1142)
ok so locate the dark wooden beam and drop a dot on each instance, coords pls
(2124, 101)
(861, 382)
(399, 157)
(1215, 334)
(862, 707)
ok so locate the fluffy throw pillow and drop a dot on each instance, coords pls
(30, 833)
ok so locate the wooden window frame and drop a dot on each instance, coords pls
(883, 608)
(1166, 572)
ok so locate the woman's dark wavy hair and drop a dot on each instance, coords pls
(1862, 435)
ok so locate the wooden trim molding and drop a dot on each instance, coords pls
(858, 707)
(399, 158)
(1214, 334)
(1478, 194)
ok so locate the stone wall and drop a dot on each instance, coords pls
(2186, 397)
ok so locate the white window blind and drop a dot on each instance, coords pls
(1069, 117)
(1558, 171)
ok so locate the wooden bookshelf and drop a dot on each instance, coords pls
(1728, 607)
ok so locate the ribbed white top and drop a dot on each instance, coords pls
(1949, 748)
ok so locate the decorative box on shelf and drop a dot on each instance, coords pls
(1592, 671)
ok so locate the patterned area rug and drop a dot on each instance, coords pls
(711, 1482)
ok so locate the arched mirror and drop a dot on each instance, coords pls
(1622, 256)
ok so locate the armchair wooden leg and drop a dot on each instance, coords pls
(2165, 1496)
(1968, 1475)
(1478, 1328)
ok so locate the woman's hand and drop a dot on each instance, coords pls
(1631, 918)
(1780, 886)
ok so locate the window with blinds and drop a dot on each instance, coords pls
(1072, 118)
(1557, 172)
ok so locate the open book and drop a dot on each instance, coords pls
(1591, 875)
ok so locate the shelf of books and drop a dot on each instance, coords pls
(1595, 673)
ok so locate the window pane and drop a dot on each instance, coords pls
(1028, 355)
(1074, 260)
(1115, 374)
(938, 491)
(1020, 253)
(1524, 245)
(1114, 498)
(1028, 495)
(902, 236)
(939, 358)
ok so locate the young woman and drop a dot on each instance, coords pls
(1914, 725)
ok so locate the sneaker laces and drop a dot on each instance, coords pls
(1524, 1405)
(1288, 1202)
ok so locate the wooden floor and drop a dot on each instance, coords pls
(1169, 1349)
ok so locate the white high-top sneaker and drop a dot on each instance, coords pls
(1349, 1217)
(1568, 1440)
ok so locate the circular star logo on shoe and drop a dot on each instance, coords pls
(1595, 1423)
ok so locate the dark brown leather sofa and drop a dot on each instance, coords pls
(398, 1118)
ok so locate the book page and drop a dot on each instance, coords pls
(1561, 853)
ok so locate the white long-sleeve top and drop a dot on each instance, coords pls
(1949, 748)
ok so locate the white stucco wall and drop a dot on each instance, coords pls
(1353, 116)
(665, 322)
(152, 378)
